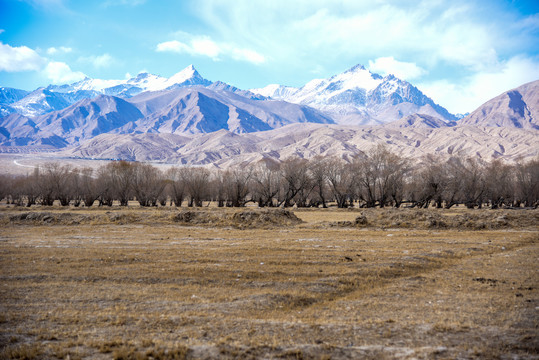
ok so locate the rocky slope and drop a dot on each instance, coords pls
(514, 108)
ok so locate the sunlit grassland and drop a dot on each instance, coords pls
(314, 289)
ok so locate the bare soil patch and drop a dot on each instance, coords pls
(266, 283)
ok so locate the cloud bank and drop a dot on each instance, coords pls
(19, 58)
(205, 46)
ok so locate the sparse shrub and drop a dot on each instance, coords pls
(22, 352)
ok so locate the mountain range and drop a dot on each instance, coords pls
(355, 97)
(188, 119)
(359, 97)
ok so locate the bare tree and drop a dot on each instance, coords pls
(74, 184)
(55, 182)
(266, 183)
(341, 182)
(237, 186)
(428, 182)
(176, 185)
(527, 182)
(217, 187)
(105, 182)
(88, 187)
(25, 190)
(499, 183)
(319, 167)
(6, 184)
(118, 175)
(297, 182)
(473, 189)
(196, 181)
(365, 180)
(452, 192)
(380, 177)
(395, 173)
(148, 184)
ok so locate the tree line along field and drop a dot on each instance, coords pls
(204, 283)
(378, 179)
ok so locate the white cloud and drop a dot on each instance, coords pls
(473, 91)
(22, 58)
(61, 73)
(19, 58)
(403, 70)
(58, 50)
(173, 46)
(432, 34)
(99, 61)
(197, 45)
(205, 46)
(247, 55)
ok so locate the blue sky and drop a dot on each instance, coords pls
(461, 52)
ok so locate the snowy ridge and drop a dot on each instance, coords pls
(359, 97)
(143, 81)
(57, 97)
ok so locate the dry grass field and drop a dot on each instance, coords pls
(249, 283)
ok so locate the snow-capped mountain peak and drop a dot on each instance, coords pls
(185, 74)
(143, 81)
(357, 96)
(55, 97)
(188, 76)
(356, 77)
(350, 87)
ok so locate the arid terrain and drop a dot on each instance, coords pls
(165, 283)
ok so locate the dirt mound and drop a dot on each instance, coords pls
(194, 217)
(444, 219)
(38, 217)
(240, 219)
(261, 218)
(71, 218)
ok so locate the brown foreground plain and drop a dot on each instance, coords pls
(249, 283)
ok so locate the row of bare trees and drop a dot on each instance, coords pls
(379, 179)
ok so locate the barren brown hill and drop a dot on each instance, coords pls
(225, 149)
(515, 108)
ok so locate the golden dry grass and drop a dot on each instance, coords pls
(136, 283)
